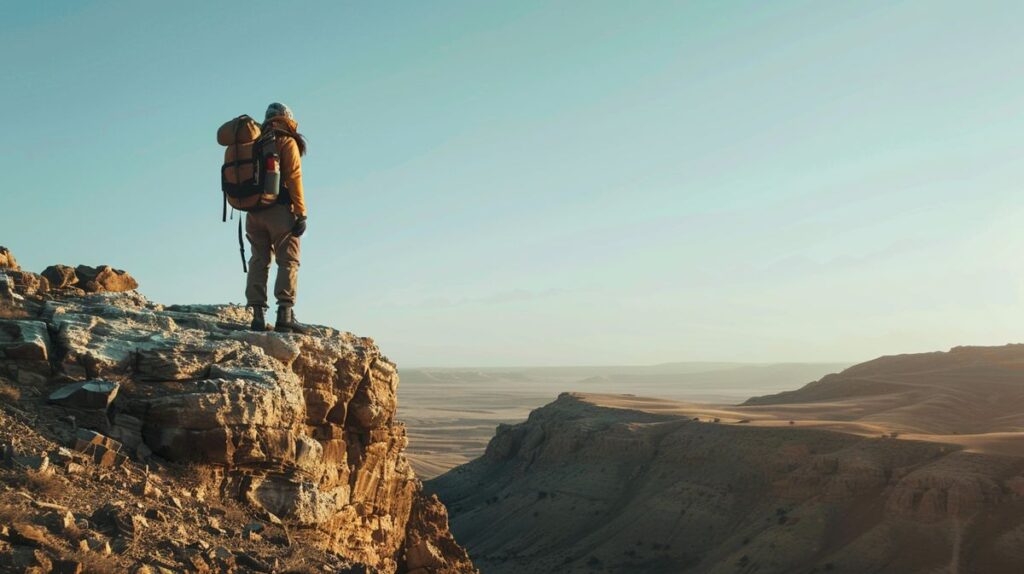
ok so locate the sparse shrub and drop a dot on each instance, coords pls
(301, 569)
(42, 482)
(95, 563)
(74, 533)
(10, 514)
(9, 393)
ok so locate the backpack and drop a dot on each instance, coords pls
(250, 177)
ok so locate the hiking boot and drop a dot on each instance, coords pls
(286, 322)
(259, 321)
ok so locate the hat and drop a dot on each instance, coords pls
(278, 109)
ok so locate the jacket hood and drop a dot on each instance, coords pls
(282, 123)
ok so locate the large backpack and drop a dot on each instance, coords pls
(250, 178)
(246, 184)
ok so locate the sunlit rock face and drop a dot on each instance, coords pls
(299, 426)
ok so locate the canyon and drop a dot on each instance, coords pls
(904, 464)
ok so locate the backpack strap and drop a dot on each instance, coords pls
(241, 245)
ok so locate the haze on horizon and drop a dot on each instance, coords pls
(535, 183)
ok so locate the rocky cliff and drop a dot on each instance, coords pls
(297, 432)
(584, 487)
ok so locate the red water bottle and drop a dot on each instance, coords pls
(271, 177)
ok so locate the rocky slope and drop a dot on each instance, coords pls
(582, 486)
(131, 408)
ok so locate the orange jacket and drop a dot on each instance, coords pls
(291, 161)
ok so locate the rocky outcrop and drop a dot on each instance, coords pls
(62, 279)
(7, 260)
(957, 487)
(61, 276)
(103, 279)
(301, 428)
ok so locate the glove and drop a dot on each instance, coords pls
(300, 226)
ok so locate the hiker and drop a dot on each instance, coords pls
(276, 229)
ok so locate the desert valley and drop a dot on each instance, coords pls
(903, 464)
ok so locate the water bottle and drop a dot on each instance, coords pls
(271, 176)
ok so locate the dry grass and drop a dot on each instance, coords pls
(9, 393)
(42, 482)
(235, 515)
(95, 563)
(10, 514)
(300, 569)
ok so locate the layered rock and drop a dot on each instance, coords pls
(301, 427)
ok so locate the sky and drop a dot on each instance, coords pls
(548, 182)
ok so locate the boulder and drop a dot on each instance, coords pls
(86, 395)
(7, 260)
(28, 283)
(7, 287)
(104, 450)
(104, 279)
(60, 276)
(25, 351)
(24, 340)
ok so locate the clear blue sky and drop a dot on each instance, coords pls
(524, 182)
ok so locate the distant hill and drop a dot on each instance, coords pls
(968, 390)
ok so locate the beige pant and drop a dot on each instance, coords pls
(269, 233)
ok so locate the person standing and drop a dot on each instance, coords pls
(276, 230)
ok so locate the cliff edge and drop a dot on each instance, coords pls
(246, 451)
